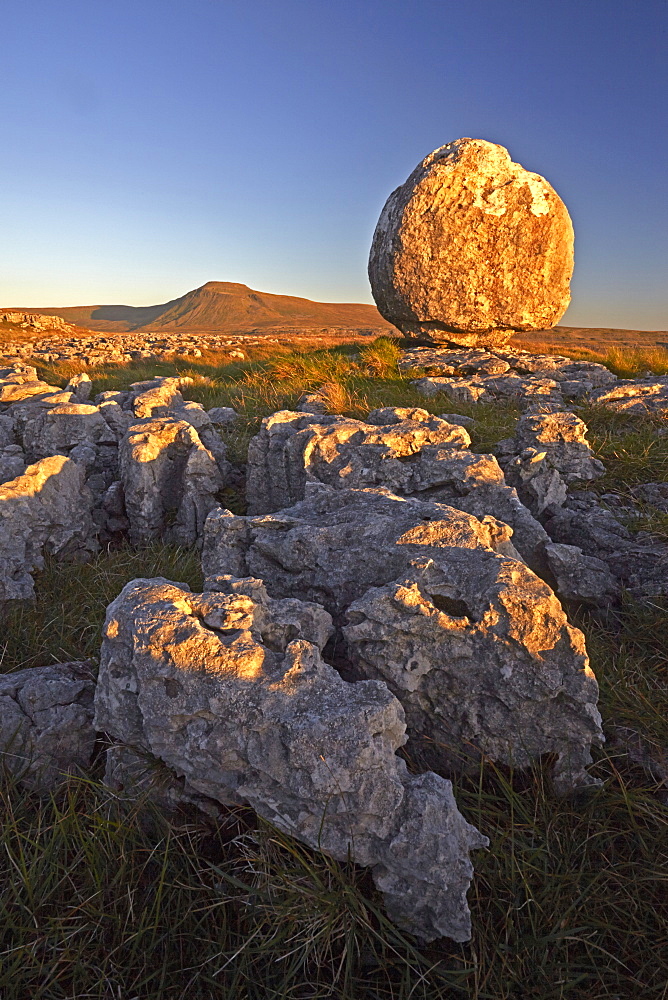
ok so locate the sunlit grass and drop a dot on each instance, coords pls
(625, 362)
(570, 902)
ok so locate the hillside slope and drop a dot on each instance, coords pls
(223, 306)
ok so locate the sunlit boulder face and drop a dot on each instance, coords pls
(471, 248)
(229, 690)
(434, 602)
(46, 510)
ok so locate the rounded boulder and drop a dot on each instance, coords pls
(471, 249)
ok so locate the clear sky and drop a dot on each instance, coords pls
(149, 146)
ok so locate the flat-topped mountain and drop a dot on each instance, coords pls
(224, 306)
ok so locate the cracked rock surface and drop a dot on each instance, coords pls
(46, 722)
(168, 476)
(242, 707)
(435, 602)
(47, 509)
(335, 544)
(294, 448)
(406, 450)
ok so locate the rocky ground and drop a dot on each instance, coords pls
(383, 582)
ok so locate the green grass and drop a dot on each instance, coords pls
(570, 902)
(64, 621)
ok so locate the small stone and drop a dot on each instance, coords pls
(580, 577)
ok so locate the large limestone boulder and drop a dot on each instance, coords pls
(431, 599)
(47, 509)
(471, 248)
(46, 722)
(229, 690)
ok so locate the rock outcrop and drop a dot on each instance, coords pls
(46, 723)
(406, 450)
(550, 452)
(45, 510)
(636, 396)
(472, 248)
(170, 481)
(335, 544)
(390, 450)
(229, 690)
(474, 645)
(638, 562)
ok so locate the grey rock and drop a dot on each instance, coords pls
(595, 530)
(294, 449)
(236, 716)
(635, 396)
(580, 577)
(458, 390)
(60, 428)
(195, 414)
(562, 436)
(311, 402)
(47, 509)
(168, 476)
(46, 723)
(12, 462)
(552, 451)
(639, 562)
(81, 386)
(113, 500)
(224, 416)
(18, 389)
(117, 396)
(481, 655)
(406, 450)
(654, 494)
(541, 487)
(118, 419)
(457, 418)
(158, 397)
(475, 483)
(335, 544)
(84, 455)
(6, 431)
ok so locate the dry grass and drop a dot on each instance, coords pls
(625, 362)
(569, 903)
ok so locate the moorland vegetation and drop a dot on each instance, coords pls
(114, 902)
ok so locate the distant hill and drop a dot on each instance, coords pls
(222, 306)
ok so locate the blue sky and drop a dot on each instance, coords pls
(150, 146)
